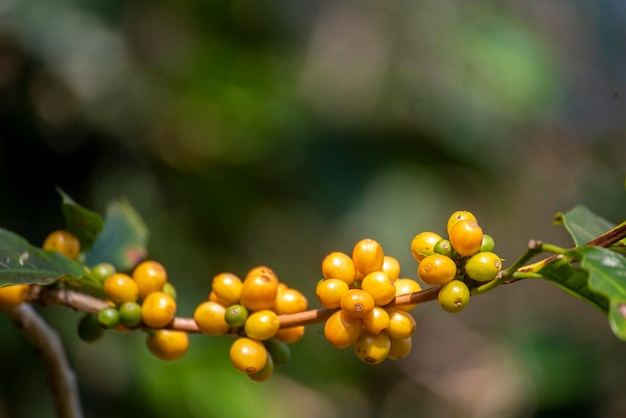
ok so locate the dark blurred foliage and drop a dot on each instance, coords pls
(273, 132)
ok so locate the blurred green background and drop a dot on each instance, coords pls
(273, 132)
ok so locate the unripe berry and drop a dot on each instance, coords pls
(236, 316)
(488, 244)
(109, 317)
(278, 350)
(130, 314)
(454, 296)
(483, 266)
(89, 328)
(265, 373)
(102, 271)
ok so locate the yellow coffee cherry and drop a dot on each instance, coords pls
(466, 237)
(150, 276)
(399, 348)
(265, 373)
(264, 270)
(483, 266)
(436, 269)
(424, 243)
(372, 348)
(357, 303)
(291, 334)
(13, 295)
(368, 256)
(227, 288)
(380, 287)
(158, 309)
(63, 242)
(120, 288)
(248, 355)
(391, 266)
(342, 330)
(259, 290)
(261, 325)
(167, 344)
(401, 324)
(330, 291)
(405, 286)
(289, 301)
(209, 316)
(376, 321)
(338, 265)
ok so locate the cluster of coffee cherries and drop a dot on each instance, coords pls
(462, 261)
(249, 308)
(362, 288)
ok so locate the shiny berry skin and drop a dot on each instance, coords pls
(261, 325)
(372, 348)
(368, 256)
(102, 271)
(227, 288)
(259, 291)
(158, 309)
(63, 242)
(436, 269)
(454, 296)
(380, 287)
(89, 328)
(167, 344)
(330, 291)
(261, 270)
(488, 244)
(457, 216)
(444, 247)
(236, 315)
(109, 317)
(483, 266)
(210, 318)
(130, 314)
(342, 330)
(150, 276)
(391, 266)
(120, 288)
(338, 265)
(248, 355)
(405, 286)
(466, 237)
(376, 321)
(399, 348)
(291, 334)
(169, 289)
(289, 301)
(14, 295)
(265, 373)
(424, 242)
(357, 303)
(401, 324)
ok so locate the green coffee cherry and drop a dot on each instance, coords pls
(109, 317)
(130, 314)
(236, 316)
(444, 247)
(89, 328)
(454, 296)
(279, 351)
(102, 271)
(488, 244)
(483, 266)
(169, 289)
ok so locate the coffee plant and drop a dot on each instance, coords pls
(100, 267)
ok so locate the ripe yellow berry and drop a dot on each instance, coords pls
(400, 348)
(338, 265)
(259, 291)
(150, 276)
(401, 324)
(466, 237)
(291, 334)
(357, 303)
(436, 269)
(391, 266)
(248, 355)
(227, 288)
(424, 243)
(265, 373)
(289, 301)
(457, 216)
(158, 309)
(380, 287)
(342, 330)
(209, 317)
(405, 286)
(120, 288)
(64, 242)
(261, 325)
(376, 321)
(483, 266)
(167, 344)
(372, 348)
(368, 256)
(330, 291)
(13, 295)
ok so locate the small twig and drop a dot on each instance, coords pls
(46, 341)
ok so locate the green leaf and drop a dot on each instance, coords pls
(83, 223)
(575, 281)
(123, 240)
(582, 224)
(607, 277)
(23, 263)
